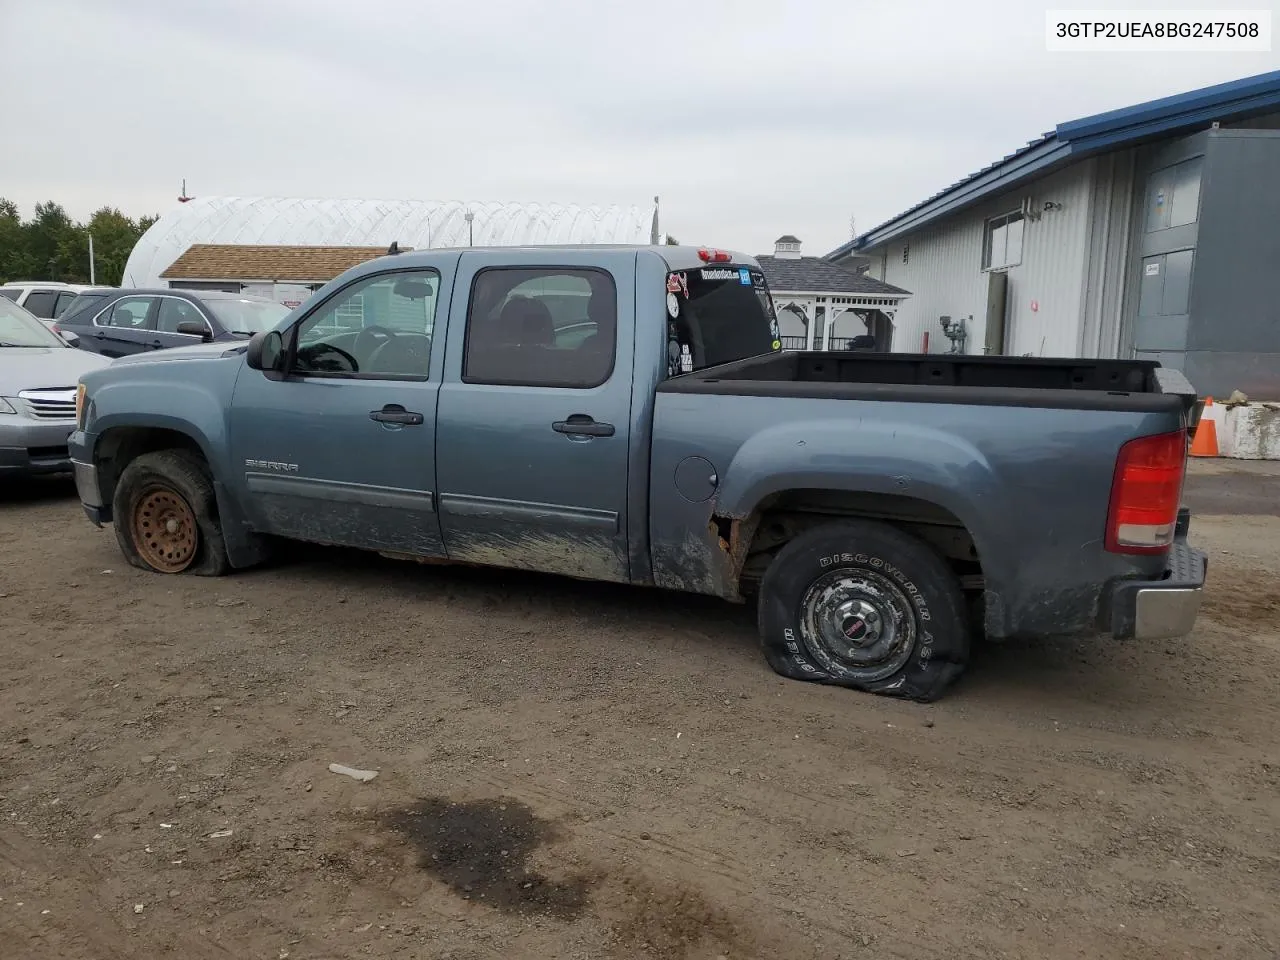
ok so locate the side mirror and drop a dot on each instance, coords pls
(195, 328)
(265, 351)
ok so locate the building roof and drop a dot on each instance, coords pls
(1078, 139)
(234, 261)
(816, 275)
(787, 238)
(298, 221)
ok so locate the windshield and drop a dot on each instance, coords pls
(717, 315)
(247, 316)
(80, 304)
(18, 328)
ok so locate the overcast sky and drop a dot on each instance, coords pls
(749, 119)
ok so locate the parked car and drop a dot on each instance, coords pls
(44, 299)
(445, 405)
(128, 321)
(38, 377)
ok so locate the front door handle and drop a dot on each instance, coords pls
(583, 425)
(394, 413)
(100, 335)
(156, 345)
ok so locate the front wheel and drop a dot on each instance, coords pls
(863, 604)
(166, 517)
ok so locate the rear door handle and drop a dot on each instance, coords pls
(394, 413)
(156, 345)
(583, 425)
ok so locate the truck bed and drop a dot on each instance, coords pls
(1140, 385)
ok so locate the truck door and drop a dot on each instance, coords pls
(535, 412)
(341, 448)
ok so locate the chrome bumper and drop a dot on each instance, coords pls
(1165, 608)
(86, 475)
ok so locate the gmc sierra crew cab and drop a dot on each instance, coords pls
(628, 415)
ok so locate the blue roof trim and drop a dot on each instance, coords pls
(1077, 139)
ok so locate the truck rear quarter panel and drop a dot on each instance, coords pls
(1031, 485)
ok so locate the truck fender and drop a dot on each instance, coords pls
(198, 413)
(863, 456)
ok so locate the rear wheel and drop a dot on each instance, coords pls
(166, 517)
(864, 605)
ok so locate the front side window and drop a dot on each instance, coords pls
(1003, 243)
(131, 313)
(541, 327)
(40, 303)
(174, 311)
(379, 327)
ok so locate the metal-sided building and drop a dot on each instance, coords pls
(1150, 231)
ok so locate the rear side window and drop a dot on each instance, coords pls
(41, 303)
(130, 313)
(64, 301)
(718, 314)
(12, 293)
(541, 327)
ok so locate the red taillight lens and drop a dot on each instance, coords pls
(57, 329)
(1145, 493)
(704, 255)
(713, 256)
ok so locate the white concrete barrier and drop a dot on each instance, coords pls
(1248, 431)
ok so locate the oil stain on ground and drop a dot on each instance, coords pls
(481, 849)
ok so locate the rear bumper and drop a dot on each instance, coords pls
(1163, 608)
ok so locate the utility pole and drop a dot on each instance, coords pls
(92, 281)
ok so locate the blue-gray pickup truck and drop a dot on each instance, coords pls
(628, 415)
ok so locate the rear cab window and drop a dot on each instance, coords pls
(717, 314)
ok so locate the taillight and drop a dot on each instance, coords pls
(713, 256)
(1145, 493)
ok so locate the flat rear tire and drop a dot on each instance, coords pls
(865, 605)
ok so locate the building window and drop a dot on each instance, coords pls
(1003, 244)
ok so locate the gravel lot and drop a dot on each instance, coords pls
(571, 770)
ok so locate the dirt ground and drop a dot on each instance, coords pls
(574, 771)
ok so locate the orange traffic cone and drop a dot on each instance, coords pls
(1205, 442)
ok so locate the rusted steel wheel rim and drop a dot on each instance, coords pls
(164, 530)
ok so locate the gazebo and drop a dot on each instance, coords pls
(822, 305)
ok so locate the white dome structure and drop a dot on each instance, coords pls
(417, 224)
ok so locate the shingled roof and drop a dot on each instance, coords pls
(816, 275)
(230, 261)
